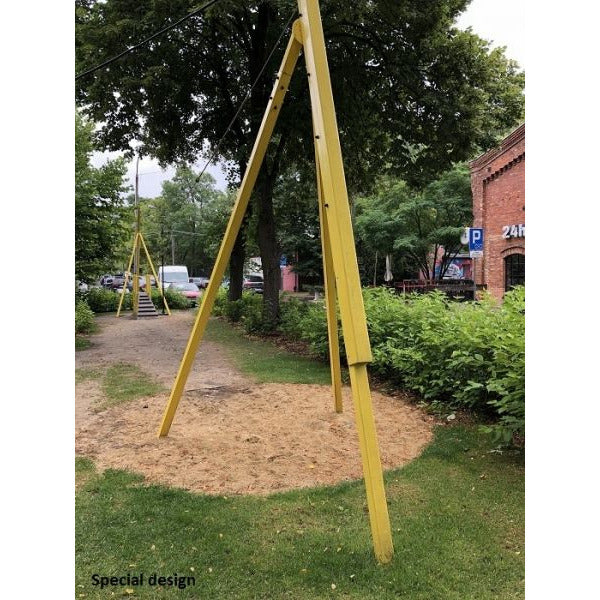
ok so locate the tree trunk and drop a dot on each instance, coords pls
(236, 265)
(238, 255)
(269, 252)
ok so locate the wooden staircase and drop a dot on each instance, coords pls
(145, 306)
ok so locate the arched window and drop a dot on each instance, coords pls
(514, 271)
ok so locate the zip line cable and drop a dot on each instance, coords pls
(149, 39)
(247, 97)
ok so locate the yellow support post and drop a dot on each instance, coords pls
(155, 276)
(308, 33)
(330, 299)
(373, 473)
(345, 266)
(126, 276)
(258, 153)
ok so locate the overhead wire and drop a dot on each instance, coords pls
(148, 39)
(215, 152)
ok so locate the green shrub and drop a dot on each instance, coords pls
(102, 300)
(506, 385)
(220, 302)
(291, 312)
(461, 355)
(313, 329)
(84, 317)
(469, 355)
(234, 310)
(175, 299)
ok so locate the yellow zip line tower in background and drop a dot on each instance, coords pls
(339, 259)
(138, 244)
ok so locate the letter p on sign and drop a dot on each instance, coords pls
(475, 242)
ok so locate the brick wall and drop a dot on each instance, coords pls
(498, 186)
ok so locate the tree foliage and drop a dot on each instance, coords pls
(186, 223)
(413, 94)
(99, 228)
(411, 90)
(297, 216)
(418, 228)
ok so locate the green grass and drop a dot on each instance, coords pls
(124, 382)
(121, 383)
(82, 342)
(457, 516)
(263, 360)
(86, 373)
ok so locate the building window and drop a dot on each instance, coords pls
(514, 271)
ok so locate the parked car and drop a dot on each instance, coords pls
(173, 274)
(201, 282)
(142, 282)
(81, 286)
(106, 281)
(253, 283)
(190, 290)
(117, 281)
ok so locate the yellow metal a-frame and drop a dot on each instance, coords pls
(339, 258)
(138, 244)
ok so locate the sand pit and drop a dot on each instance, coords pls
(237, 437)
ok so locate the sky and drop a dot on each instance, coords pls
(500, 22)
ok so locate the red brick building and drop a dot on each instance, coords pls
(498, 185)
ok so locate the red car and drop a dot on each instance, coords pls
(190, 290)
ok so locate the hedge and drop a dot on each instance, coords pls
(102, 300)
(460, 355)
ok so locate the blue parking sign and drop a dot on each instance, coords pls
(476, 242)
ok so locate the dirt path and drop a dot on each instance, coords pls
(156, 345)
(230, 435)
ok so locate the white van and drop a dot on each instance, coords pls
(172, 274)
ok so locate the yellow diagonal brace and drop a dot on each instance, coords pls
(330, 299)
(258, 153)
(148, 284)
(127, 276)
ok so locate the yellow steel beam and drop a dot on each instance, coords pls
(345, 266)
(127, 276)
(356, 338)
(330, 298)
(258, 153)
(308, 32)
(148, 283)
(369, 450)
